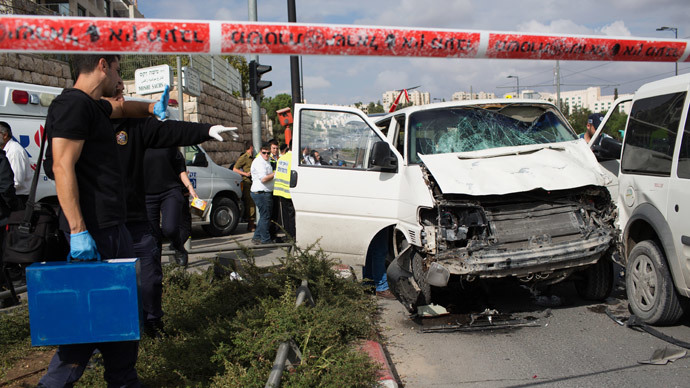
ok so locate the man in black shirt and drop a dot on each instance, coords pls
(91, 191)
(133, 137)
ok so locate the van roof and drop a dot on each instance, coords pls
(664, 86)
(40, 98)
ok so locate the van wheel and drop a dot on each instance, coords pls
(597, 281)
(224, 218)
(651, 294)
(419, 274)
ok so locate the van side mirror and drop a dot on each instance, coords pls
(199, 160)
(382, 158)
(607, 149)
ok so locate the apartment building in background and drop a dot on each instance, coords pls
(86, 8)
(416, 98)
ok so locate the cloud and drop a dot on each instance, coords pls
(559, 26)
(616, 28)
(316, 82)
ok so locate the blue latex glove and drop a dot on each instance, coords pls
(83, 247)
(162, 105)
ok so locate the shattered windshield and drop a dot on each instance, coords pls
(463, 129)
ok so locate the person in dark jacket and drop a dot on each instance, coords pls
(134, 137)
(8, 197)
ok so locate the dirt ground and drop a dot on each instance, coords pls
(27, 371)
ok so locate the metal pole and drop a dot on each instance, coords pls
(256, 101)
(294, 59)
(180, 101)
(558, 85)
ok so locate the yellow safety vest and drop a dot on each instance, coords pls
(281, 181)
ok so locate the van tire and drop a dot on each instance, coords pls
(224, 217)
(419, 274)
(597, 280)
(651, 294)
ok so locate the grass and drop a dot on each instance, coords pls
(225, 333)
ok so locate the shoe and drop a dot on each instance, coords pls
(387, 294)
(154, 329)
(181, 258)
(256, 241)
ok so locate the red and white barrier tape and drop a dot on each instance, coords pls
(79, 35)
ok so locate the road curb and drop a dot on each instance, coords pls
(376, 353)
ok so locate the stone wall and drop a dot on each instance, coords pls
(34, 69)
(214, 106)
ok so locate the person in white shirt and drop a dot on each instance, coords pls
(262, 194)
(21, 167)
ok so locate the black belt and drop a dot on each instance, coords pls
(262, 192)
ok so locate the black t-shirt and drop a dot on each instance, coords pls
(134, 136)
(162, 168)
(75, 115)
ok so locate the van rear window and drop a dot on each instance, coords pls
(651, 134)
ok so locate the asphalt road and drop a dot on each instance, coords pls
(577, 345)
(574, 344)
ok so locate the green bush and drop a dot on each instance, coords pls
(225, 333)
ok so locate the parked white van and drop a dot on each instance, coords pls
(468, 190)
(25, 106)
(653, 202)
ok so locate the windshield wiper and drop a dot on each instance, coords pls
(526, 152)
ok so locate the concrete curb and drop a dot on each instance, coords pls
(376, 353)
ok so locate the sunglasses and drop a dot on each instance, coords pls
(265, 152)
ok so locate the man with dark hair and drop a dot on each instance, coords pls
(133, 138)
(593, 122)
(91, 190)
(21, 167)
(243, 166)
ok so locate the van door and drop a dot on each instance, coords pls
(341, 202)
(678, 214)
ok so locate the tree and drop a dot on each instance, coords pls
(273, 104)
(240, 63)
(578, 119)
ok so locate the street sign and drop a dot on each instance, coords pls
(153, 79)
(191, 81)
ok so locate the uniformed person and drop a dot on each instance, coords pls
(281, 192)
(243, 166)
(134, 137)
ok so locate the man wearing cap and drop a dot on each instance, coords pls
(593, 123)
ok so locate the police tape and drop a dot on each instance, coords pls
(149, 36)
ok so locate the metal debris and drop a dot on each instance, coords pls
(664, 356)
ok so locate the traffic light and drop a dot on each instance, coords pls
(256, 85)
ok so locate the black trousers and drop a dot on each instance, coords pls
(151, 275)
(287, 215)
(119, 358)
(164, 211)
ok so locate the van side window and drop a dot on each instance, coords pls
(335, 139)
(651, 135)
(684, 156)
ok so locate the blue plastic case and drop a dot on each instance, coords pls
(83, 302)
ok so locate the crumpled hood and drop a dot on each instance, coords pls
(505, 170)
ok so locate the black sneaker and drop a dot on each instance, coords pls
(181, 258)
(154, 329)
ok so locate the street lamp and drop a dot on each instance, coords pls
(675, 31)
(518, 83)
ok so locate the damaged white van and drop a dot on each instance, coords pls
(468, 190)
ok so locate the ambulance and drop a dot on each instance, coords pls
(25, 106)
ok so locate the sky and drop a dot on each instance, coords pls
(346, 80)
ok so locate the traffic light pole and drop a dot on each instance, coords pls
(256, 100)
(294, 60)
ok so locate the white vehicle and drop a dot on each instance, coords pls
(653, 202)
(473, 189)
(25, 106)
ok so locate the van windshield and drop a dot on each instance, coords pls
(463, 129)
